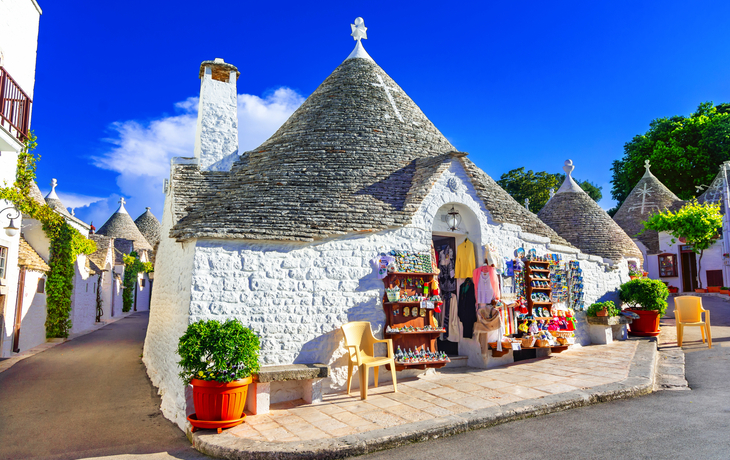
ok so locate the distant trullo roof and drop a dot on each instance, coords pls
(579, 219)
(149, 226)
(35, 193)
(357, 156)
(54, 202)
(717, 189)
(121, 225)
(648, 197)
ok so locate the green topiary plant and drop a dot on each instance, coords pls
(224, 352)
(645, 294)
(610, 307)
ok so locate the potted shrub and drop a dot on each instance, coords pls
(725, 290)
(648, 299)
(218, 359)
(607, 308)
(635, 274)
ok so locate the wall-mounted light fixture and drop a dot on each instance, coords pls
(453, 220)
(12, 229)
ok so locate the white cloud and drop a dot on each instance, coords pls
(141, 152)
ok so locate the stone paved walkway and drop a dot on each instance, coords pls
(447, 392)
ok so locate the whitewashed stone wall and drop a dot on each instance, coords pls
(169, 317)
(83, 299)
(33, 322)
(296, 296)
(9, 284)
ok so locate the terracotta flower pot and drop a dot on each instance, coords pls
(215, 401)
(725, 291)
(713, 288)
(602, 312)
(701, 291)
(647, 325)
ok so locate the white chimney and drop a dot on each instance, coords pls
(216, 136)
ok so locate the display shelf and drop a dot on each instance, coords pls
(541, 288)
(540, 303)
(415, 332)
(410, 340)
(539, 270)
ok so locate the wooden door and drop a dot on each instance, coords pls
(689, 271)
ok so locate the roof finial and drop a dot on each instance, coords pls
(527, 204)
(552, 192)
(569, 185)
(122, 201)
(647, 164)
(359, 31)
(52, 193)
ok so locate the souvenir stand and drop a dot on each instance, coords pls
(548, 292)
(409, 303)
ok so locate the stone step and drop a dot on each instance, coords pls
(457, 361)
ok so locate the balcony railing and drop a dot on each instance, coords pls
(14, 106)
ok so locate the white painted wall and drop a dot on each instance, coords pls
(8, 285)
(216, 137)
(83, 298)
(36, 237)
(296, 296)
(143, 293)
(33, 323)
(711, 259)
(169, 317)
(19, 20)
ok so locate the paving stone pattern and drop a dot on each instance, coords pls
(447, 392)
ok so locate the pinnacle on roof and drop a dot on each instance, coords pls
(715, 193)
(648, 197)
(149, 226)
(359, 31)
(54, 202)
(357, 156)
(121, 225)
(577, 218)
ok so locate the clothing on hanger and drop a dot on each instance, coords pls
(467, 307)
(447, 263)
(453, 320)
(486, 284)
(465, 264)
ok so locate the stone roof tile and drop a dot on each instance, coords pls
(28, 258)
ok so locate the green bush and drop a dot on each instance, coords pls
(645, 294)
(610, 307)
(224, 352)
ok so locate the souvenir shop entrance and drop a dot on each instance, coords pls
(444, 245)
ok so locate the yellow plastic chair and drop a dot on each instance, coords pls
(360, 343)
(688, 312)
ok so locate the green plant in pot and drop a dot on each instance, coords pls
(607, 308)
(648, 299)
(218, 360)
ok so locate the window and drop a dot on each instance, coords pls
(667, 265)
(714, 278)
(141, 283)
(3, 260)
(41, 286)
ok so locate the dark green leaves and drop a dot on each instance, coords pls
(224, 352)
(645, 294)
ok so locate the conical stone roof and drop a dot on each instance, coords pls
(54, 202)
(648, 197)
(121, 225)
(715, 193)
(577, 218)
(352, 158)
(149, 226)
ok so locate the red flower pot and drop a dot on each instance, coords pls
(215, 401)
(647, 325)
(713, 288)
(701, 291)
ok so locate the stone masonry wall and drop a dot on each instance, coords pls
(295, 296)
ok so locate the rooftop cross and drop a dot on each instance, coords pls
(387, 90)
(122, 201)
(359, 31)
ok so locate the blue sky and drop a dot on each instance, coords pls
(512, 83)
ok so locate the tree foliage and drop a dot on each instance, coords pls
(685, 152)
(521, 184)
(697, 224)
(66, 242)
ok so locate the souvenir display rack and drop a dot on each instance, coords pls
(537, 284)
(411, 284)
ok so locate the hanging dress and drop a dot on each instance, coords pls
(467, 307)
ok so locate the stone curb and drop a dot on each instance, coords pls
(640, 381)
